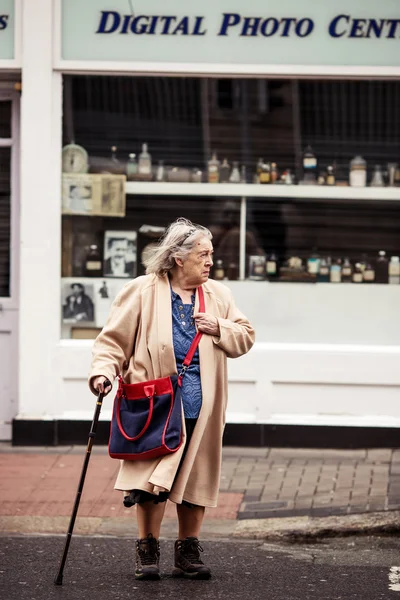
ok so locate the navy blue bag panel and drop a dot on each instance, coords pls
(155, 422)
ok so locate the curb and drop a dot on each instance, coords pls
(290, 530)
(306, 529)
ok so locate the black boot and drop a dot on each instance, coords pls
(147, 558)
(187, 560)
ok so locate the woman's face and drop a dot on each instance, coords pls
(196, 268)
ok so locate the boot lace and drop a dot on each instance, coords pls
(148, 550)
(191, 549)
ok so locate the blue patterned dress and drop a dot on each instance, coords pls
(183, 332)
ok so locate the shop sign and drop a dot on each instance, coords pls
(6, 29)
(257, 32)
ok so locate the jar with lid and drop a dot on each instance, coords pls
(358, 172)
(219, 271)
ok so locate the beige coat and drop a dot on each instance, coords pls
(136, 342)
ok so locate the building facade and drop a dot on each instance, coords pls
(280, 133)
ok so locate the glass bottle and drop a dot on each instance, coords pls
(144, 166)
(131, 168)
(93, 262)
(309, 166)
(219, 271)
(358, 172)
(115, 164)
(357, 273)
(394, 270)
(324, 270)
(213, 169)
(330, 176)
(243, 175)
(289, 177)
(313, 263)
(336, 272)
(224, 171)
(235, 174)
(160, 175)
(377, 177)
(369, 274)
(271, 267)
(274, 173)
(265, 175)
(382, 268)
(347, 271)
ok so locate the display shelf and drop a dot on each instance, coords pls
(249, 190)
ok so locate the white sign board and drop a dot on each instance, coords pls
(7, 16)
(233, 32)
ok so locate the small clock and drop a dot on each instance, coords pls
(75, 159)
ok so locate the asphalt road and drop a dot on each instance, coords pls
(102, 569)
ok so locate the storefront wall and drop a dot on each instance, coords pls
(324, 355)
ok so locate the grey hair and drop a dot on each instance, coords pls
(177, 242)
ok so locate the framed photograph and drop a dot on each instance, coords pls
(78, 303)
(120, 254)
(93, 195)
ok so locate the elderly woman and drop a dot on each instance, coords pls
(150, 328)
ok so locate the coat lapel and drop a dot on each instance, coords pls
(163, 317)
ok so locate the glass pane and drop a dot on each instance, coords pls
(5, 162)
(5, 119)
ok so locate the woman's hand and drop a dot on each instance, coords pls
(102, 384)
(207, 324)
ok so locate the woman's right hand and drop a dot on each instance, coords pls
(102, 384)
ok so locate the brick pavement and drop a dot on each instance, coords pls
(255, 483)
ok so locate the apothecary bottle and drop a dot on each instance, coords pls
(224, 171)
(271, 267)
(144, 167)
(93, 262)
(324, 270)
(358, 273)
(309, 166)
(235, 176)
(369, 273)
(394, 270)
(347, 271)
(382, 268)
(336, 271)
(377, 177)
(131, 167)
(213, 169)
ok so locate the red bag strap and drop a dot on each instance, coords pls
(189, 356)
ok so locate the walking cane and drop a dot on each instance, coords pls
(59, 579)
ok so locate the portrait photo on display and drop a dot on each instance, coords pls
(78, 306)
(120, 254)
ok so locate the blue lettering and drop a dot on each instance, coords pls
(153, 24)
(357, 28)
(182, 27)
(274, 28)
(105, 14)
(125, 24)
(304, 32)
(286, 28)
(393, 26)
(250, 25)
(334, 23)
(377, 28)
(167, 23)
(3, 21)
(137, 26)
(229, 20)
(197, 26)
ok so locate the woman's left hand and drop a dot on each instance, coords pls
(207, 324)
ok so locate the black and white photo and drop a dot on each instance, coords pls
(78, 303)
(120, 254)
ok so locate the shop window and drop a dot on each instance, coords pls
(190, 130)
